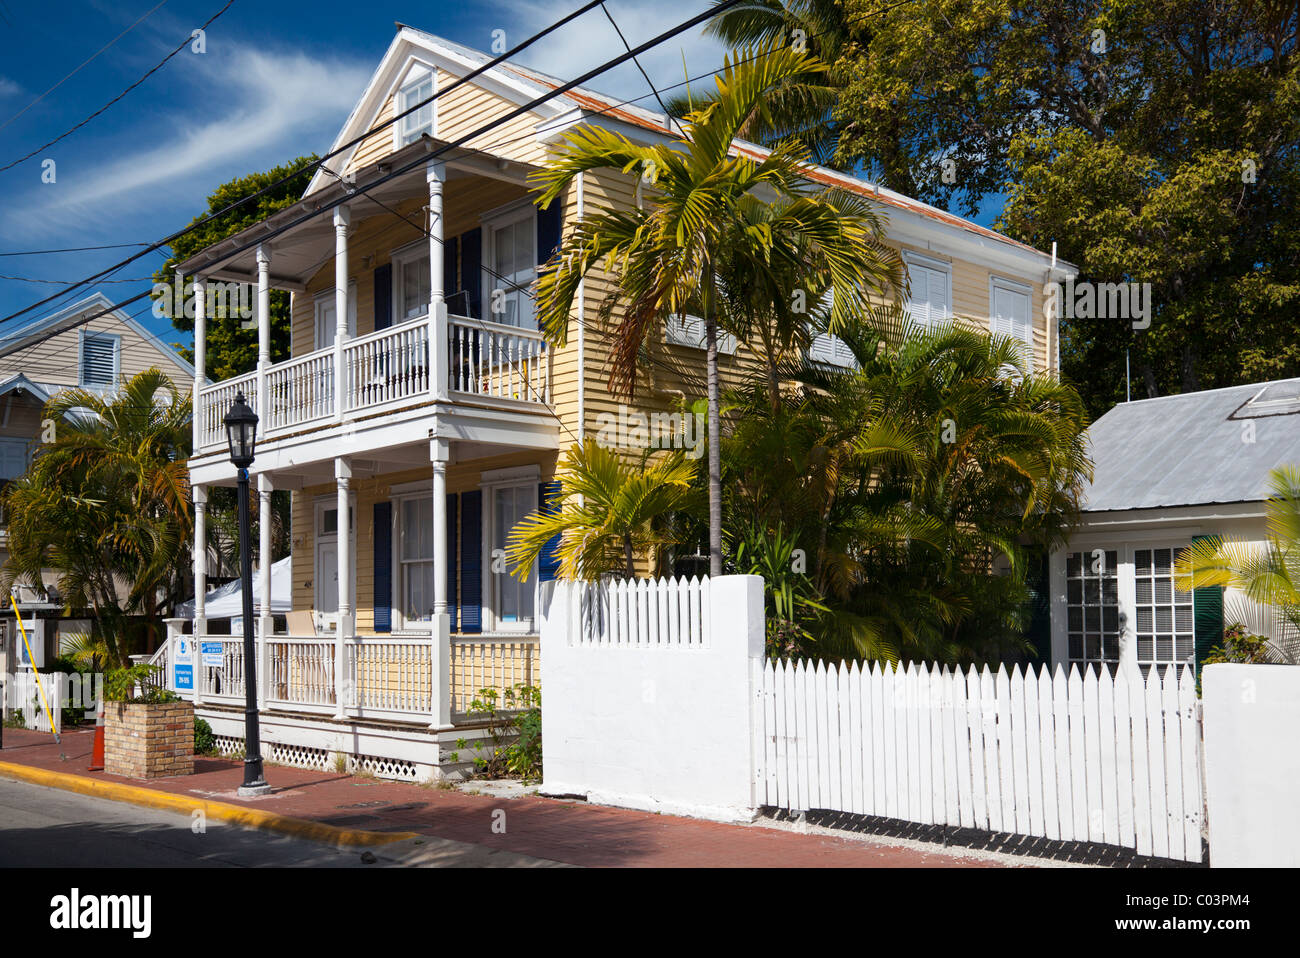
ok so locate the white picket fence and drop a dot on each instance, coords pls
(23, 695)
(1077, 757)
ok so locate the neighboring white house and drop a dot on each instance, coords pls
(1169, 471)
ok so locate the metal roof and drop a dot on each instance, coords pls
(1215, 446)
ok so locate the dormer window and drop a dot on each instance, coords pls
(100, 359)
(417, 88)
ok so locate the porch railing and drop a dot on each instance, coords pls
(214, 403)
(302, 389)
(498, 361)
(390, 366)
(390, 678)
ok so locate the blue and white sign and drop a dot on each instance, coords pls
(211, 653)
(183, 668)
(184, 677)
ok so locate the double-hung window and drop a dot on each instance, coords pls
(411, 283)
(510, 600)
(929, 298)
(415, 558)
(510, 238)
(1009, 315)
(100, 358)
(417, 88)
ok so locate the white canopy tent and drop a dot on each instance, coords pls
(226, 602)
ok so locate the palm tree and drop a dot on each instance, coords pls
(667, 257)
(905, 477)
(606, 514)
(1269, 576)
(106, 505)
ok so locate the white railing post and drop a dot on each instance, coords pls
(200, 358)
(263, 332)
(200, 584)
(436, 174)
(345, 627)
(440, 654)
(342, 219)
(266, 623)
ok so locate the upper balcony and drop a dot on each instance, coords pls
(376, 261)
(388, 370)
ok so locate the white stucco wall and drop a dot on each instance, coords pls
(1252, 764)
(659, 725)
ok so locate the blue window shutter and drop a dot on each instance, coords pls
(548, 498)
(383, 541)
(550, 223)
(383, 296)
(471, 561)
(449, 275)
(471, 272)
(451, 558)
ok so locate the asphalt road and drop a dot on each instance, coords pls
(48, 828)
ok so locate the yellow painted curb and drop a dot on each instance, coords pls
(217, 811)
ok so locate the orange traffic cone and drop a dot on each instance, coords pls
(97, 750)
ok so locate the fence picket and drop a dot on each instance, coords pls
(1156, 764)
(1106, 729)
(1064, 766)
(1019, 757)
(1173, 754)
(1192, 805)
(1092, 754)
(975, 722)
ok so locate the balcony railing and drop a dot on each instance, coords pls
(387, 368)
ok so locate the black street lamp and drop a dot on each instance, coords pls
(241, 430)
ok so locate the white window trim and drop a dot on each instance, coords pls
(85, 334)
(525, 477)
(491, 221)
(326, 298)
(415, 73)
(912, 258)
(1014, 286)
(400, 258)
(399, 495)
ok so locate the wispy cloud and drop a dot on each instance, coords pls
(276, 106)
(591, 40)
(9, 88)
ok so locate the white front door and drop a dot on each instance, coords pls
(326, 578)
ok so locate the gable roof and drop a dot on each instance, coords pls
(522, 84)
(70, 317)
(1191, 449)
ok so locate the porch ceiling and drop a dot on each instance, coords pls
(298, 253)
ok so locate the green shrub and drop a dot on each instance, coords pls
(205, 743)
(516, 737)
(120, 686)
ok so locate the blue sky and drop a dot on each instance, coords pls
(277, 80)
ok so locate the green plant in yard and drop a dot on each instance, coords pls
(516, 737)
(205, 743)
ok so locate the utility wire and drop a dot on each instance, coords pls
(84, 63)
(184, 43)
(650, 82)
(499, 121)
(312, 167)
(72, 249)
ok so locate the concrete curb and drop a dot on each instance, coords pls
(216, 811)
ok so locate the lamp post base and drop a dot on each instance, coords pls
(254, 791)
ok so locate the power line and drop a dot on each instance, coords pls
(69, 282)
(422, 160)
(311, 167)
(73, 249)
(650, 82)
(184, 43)
(83, 64)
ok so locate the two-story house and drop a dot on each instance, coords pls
(421, 413)
(60, 351)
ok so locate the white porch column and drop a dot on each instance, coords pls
(440, 654)
(436, 174)
(263, 404)
(342, 219)
(200, 357)
(346, 622)
(200, 583)
(265, 622)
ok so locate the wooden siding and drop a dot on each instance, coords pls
(57, 359)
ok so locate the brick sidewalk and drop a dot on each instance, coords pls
(566, 831)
